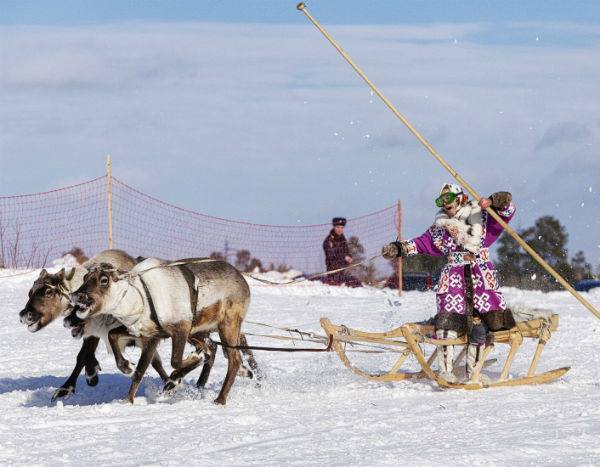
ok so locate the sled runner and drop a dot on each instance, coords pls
(409, 339)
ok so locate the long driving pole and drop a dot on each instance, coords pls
(454, 173)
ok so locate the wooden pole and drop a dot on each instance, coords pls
(109, 198)
(399, 230)
(454, 173)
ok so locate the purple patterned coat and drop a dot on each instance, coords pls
(450, 290)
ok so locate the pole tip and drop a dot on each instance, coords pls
(301, 6)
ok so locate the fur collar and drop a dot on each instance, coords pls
(466, 227)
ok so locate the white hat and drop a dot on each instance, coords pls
(453, 188)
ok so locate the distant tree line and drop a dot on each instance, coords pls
(245, 262)
(549, 239)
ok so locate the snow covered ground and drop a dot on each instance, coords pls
(309, 409)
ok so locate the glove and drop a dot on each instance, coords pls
(501, 199)
(393, 250)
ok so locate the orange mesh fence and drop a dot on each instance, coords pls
(37, 228)
(40, 227)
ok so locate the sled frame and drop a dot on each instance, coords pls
(408, 339)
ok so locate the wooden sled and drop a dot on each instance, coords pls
(408, 339)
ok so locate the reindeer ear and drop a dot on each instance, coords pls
(43, 274)
(61, 274)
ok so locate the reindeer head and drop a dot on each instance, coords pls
(100, 292)
(47, 300)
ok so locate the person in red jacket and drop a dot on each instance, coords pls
(337, 255)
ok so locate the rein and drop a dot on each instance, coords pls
(277, 349)
(183, 262)
(313, 276)
(179, 262)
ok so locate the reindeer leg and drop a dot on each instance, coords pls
(157, 365)
(229, 332)
(203, 351)
(179, 337)
(208, 363)
(68, 387)
(113, 338)
(244, 371)
(92, 367)
(177, 375)
(148, 350)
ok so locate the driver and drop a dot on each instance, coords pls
(467, 295)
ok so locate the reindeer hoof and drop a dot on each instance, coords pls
(125, 367)
(92, 378)
(63, 393)
(170, 385)
(245, 373)
(219, 400)
(129, 399)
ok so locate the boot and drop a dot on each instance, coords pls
(445, 355)
(477, 338)
(474, 353)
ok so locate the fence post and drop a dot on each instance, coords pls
(109, 197)
(399, 230)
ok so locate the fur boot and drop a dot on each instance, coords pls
(446, 355)
(477, 339)
(473, 356)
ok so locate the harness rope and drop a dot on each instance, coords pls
(312, 337)
(323, 340)
(183, 262)
(277, 349)
(312, 276)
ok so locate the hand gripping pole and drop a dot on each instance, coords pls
(454, 173)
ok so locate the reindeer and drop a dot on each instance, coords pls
(185, 303)
(49, 299)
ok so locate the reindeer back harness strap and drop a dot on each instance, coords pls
(153, 315)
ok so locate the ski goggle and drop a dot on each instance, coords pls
(445, 198)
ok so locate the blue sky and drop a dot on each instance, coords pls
(242, 110)
(283, 11)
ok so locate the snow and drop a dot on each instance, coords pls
(309, 409)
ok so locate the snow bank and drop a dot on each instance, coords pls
(309, 409)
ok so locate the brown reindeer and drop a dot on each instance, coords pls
(157, 301)
(49, 299)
